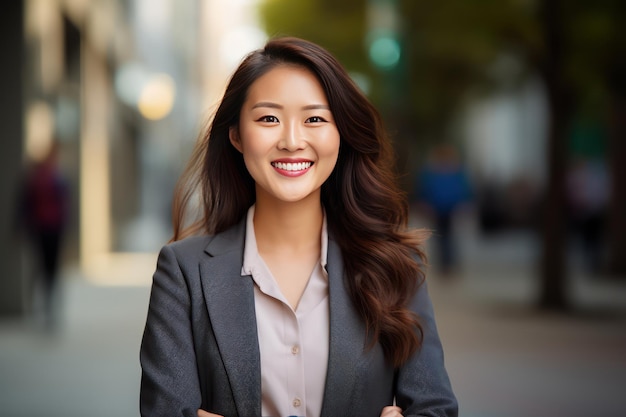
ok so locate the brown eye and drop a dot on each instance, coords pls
(268, 119)
(315, 119)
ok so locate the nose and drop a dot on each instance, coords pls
(291, 138)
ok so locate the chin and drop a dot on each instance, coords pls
(295, 198)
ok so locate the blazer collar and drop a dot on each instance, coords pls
(230, 302)
(230, 240)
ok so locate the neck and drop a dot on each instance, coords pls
(291, 226)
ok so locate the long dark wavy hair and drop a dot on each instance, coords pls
(367, 214)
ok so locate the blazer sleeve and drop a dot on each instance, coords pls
(169, 379)
(422, 384)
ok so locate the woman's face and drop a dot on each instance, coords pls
(287, 135)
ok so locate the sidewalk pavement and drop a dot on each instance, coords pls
(87, 365)
(505, 359)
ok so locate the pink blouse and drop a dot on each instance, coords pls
(293, 344)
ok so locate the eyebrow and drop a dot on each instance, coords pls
(278, 106)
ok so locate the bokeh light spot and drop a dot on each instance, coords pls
(385, 52)
(157, 97)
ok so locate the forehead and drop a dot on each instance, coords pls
(287, 82)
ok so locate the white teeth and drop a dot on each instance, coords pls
(298, 166)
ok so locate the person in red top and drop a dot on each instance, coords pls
(43, 211)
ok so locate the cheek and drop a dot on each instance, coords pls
(252, 143)
(329, 154)
(331, 146)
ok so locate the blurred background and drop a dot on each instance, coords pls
(509, 122)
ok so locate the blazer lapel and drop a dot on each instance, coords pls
(230, 302)
(347, 340)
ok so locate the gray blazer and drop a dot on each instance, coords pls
(200, 346)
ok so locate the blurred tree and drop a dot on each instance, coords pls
(456, 46)
(582, 64)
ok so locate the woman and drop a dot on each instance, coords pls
(302, 292)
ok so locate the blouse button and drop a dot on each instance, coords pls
(295, 349)
(297, 402)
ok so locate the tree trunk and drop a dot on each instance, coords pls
(617, 208)
(552, 268)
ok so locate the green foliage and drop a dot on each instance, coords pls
(338, 26)
(595, 48)
(452, 47)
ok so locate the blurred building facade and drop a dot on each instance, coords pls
(124, 86)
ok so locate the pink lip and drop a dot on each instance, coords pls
(291, 174)
(292, 160)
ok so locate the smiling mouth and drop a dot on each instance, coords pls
(288, 166)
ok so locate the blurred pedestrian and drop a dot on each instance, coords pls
(442, 187)
(304, 292)
(43, 212)
(588, 199)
